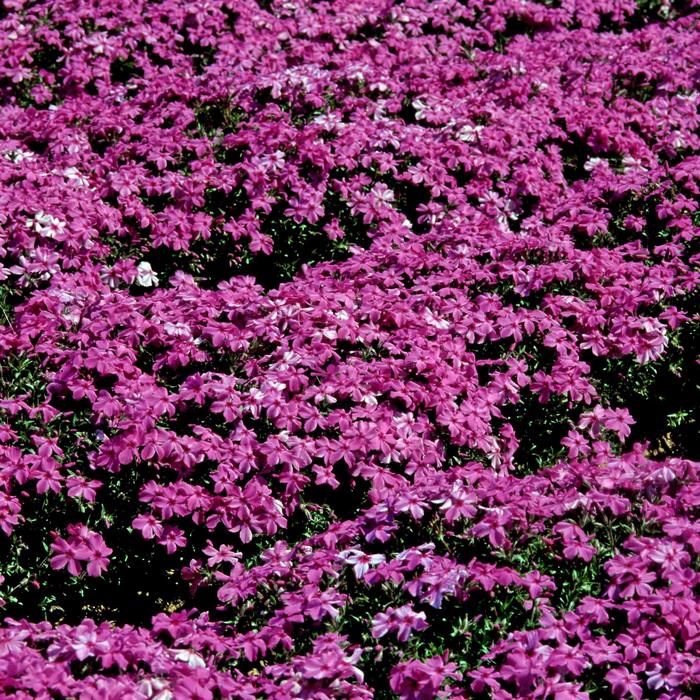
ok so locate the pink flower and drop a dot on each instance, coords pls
(421, 680)
(79, 487)
(172, 538)
(322, 603)
(459, 504)
(577, 444)
(401, 620)
(98, 555)
(623, 682)
(68, 555)
(224, 553)
(568, 659)
(148, 524)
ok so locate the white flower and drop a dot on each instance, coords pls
(678, 141)
(177, 330)
(431, 319)
(592, 163)
(46, 225)
(360, 561)
(382, 193)
(145, 277)
(469, 133)
(155, 688)
(18, 155)
(74, 174)
(190, 658)
(420, 108)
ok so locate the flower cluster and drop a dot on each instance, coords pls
(367, 327)
(82, 545)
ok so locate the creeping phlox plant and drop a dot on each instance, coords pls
(349, 349)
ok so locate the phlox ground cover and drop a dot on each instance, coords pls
(349, 349)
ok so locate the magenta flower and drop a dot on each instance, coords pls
(403, 621)
(323, 603)
(79, 487)
(224, 553)
(149, 526)
(421, 680)
(69, 555)
(172, 538)
(82, 545)
(623, 682)
(98, 555)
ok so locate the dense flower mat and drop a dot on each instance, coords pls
(454, 456)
